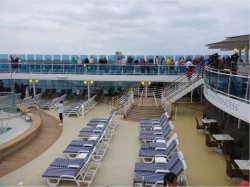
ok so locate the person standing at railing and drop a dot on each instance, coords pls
(189, 72)
(142, 64)
(176, 66)
(73, 61)
(79, 63)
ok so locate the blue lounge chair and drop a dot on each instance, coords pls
(73, 110)
(155, 124)
(149, 155)
(152, 168)
(146, 178)
(72, 151)
(69, 163)
(158, 130)
(53, 175)
(157, 135)
(79, 143)
(101, 121)
(160, 144)
(163, 117)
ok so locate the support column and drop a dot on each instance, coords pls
(88, 91)
(34, 88)
(246, 54)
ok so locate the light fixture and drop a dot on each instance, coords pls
(36, 81)
(85, 82)
(149, 83)
(142, 83)
(236, 50)
(91, 82)
(243, 50)
(30, 81)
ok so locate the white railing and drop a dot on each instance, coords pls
(37, 98)
(166, 105)
(28, 102)
(129, 103)
(183, 82)
(88, 105)
(140, 100)
(119, 101)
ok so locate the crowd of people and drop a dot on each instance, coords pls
(146, 63)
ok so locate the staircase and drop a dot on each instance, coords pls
(143, 112)
(181, 86)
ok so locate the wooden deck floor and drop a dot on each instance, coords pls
(47, 135)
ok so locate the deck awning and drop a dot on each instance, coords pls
(231, 43)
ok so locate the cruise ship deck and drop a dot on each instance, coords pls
(116, 168)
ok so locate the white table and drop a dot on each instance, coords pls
(208, 121)
(243, 164)
(223, 137)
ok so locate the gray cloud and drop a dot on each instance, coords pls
(131, 26)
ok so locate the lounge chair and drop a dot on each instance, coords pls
(77, 170)
(149, 155)
(158, 130)
(73, 110)
(54, 175)
(145, 178)
(72, 151)
(163, 117)
(157, 135)
(151, 126)
(160, 144)
(48, 105)
(69, 163)
(97, 121)
(80, 143)
(153, 168)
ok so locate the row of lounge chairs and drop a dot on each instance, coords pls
(84, 155)
(50, 105)
(159, 152)
(81, 108)
(29, 101)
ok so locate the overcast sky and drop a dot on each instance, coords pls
(131, 26)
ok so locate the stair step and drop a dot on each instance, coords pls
(144, 112)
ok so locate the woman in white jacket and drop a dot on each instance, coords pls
(60, 109)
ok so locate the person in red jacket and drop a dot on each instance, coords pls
(189, 72)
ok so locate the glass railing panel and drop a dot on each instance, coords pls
(111, 59)
(238, 86)
(22, 58)
(58, 68)
(23, 68)
(30, 58)
(39, 58)
(47, 59)
(223, 83)
(70, 68)
(36, 68)
(66, 59)
(4, 68)
(57, 59)
(47, 68)
(4, 58)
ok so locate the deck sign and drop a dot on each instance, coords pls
(232, 106)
